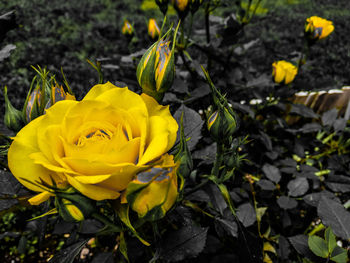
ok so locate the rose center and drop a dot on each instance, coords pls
(95, 136)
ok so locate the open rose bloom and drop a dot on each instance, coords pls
(97, 145)
(318, 28)
(283, 71)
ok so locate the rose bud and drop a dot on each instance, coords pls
(163, 5)
(283, 71)
(318, 28)
(153, 29)
(221, 124)
(72, 206)
(127, 29)
(32, 105)
(13, 117)
(182, 7)
(156, 70)
(57, 94)
(152, 193)
(195, 4)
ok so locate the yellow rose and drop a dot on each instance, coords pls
(153, 29)
(283, 71)
(127, 28)
(318, 28)
(96, 145)
(182, 7)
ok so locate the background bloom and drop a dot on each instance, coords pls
(283, 71)
(96, 145)
(318, 28)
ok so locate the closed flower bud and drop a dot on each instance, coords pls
(221, 124)
(152, 193)
(182, 7)
(32, 107)
(72, 206)
(163, 5)
(283, 71)
(68, 211)
(318, 28)
(195, 4)
(156, 70)
(127, 28)
(13, 117)
(57, 94)
(153, 29)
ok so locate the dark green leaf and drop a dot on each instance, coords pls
(192, 122)
(329, 117)
(265, 139)
(304, 111)
(272, 172)
(246, 214)
(22, 245)
(314, 198)
(286, 202)
(339, 255)
(339, 124)
(310, 127)
(90, 226)
(68, 254)
(338, 187)
(230, 226)
(300, 243)
(298, 186)
(266, 185)
(217, 200)
(334, 215)
(330, 239)
(179, 86)
(318, 246)
(186, 242)
(104, 257)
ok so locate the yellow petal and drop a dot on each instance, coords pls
(39, 198)
(92, 179)
(154, 109)
(99, 89)
(120, 179)
(158, 140)
(93, 191)
(19, 161)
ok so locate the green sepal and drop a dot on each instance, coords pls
(13, 117)
(146, 70)
(83, 203)
(123, 214)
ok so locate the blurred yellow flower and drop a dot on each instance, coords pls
(153, 29)
(318, 28)
(96, 145)
(127, 29)
(182, 7)
(283, 71)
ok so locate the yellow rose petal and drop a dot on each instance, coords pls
(92, 191)
(158, 140)
(40, 198)
(19, 162)
(154, 109)
(99, 89)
